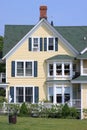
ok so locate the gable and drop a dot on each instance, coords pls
(20, 33)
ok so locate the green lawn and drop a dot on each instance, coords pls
(27, 123)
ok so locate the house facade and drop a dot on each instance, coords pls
(46, 62)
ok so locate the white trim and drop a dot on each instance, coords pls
(48, 25)
(24, 61)
(83, 51)
(81, 67)
(23, 86)
(54, 69)
(53, 43)
(33, 43)
(81, 101)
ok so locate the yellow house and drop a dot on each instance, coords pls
(46, 62)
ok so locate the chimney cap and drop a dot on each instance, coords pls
(43, 7)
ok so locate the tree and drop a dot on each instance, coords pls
(1, 43)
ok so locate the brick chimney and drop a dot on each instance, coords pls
(43, 12)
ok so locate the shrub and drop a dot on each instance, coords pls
(2, 99)
(65, 111)
(23, 110)
(74, 113)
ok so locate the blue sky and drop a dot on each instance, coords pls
(24, 12)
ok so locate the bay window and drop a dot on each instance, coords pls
(59, 94)
(59, 69)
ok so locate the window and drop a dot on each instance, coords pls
(66, 69)
(51, 94)
(20, 68)
(26, 94)
(35, 44)
(50, 44)
(25, 68)
(51, 69)
(58, 69)
(29, 94)
(19, 94)
(28, 68)
(66, 94)
(59, 94)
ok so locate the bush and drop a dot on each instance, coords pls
(2, 99)
(23, 110)
(65, 111)
(74, 113)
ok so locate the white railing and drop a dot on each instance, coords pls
(2, 77)
(75, 103)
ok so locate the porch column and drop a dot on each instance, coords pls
(71, 96)
(54, 100)
(81, 101)
(81, 68)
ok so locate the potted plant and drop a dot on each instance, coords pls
(12, 115)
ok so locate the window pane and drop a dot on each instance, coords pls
(29, 94)
(66, 69)
(59, 94)
(51, 69)
(58, 69)
(19, 94)
(66, 94)
(35, 44)
(51, 94)
(28, 69)
(50, 44)
(20, 68)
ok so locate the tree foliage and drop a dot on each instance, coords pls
(1, 43)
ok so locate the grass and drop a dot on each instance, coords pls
(27, 123)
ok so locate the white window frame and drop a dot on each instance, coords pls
(24, 61)
(54, 69)
(38, 48)
(48, 43)
(23, 92)
(63, 92)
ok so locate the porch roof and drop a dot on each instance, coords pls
(61, 57)
(3, 85)
(58, 81)
(80, 79)
(82, 56)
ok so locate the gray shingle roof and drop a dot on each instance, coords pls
(13, 34)
(61, 57)
(74, 35)
(82, 56)
(80, 79)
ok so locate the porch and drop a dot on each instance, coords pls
(61, 94)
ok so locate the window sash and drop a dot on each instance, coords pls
(59, 69)
(35, 46)
(51, 69)
(24, 68)
(50, 44)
